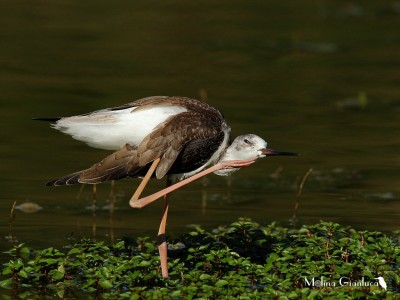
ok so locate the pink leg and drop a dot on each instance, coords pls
(161, 240)
(139, 203)
(144, 182)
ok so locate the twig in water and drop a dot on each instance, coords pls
(80, 192)
(296, 205)
(11, 221)
(303, 181)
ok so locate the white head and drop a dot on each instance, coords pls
(246, 147)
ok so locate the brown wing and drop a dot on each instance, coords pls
(169, 138)
(120, 164)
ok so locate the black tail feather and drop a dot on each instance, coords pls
(46, 119)
(66, 180)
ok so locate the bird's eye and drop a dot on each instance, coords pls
(247, 141)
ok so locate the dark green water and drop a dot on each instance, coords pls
(317, 77)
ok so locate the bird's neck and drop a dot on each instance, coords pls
(229, 154)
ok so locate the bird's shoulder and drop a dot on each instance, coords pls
(189, 104)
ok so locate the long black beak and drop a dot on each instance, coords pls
(270, 152)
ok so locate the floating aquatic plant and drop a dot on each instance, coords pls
(243, 260)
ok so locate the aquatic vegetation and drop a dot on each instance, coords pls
(243, 260)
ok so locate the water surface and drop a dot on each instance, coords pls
(317, 77)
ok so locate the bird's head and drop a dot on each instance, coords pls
(247, 147)
(251, 146)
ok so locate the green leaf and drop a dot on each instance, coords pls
(24, 251)
(74, 251)
(6, 283)
(176, 293)
(50, 261)
(104, 272)
(57, 275)
(6, 271)
(119, 245)
(61, 269)
(23, 274)
(17, 264)
(144, 263)
(88, 283)
(106, 284)
(205, 276)
(221, 282)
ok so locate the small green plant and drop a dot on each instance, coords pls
(243, 260)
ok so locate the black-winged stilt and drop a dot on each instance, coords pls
(160, 136)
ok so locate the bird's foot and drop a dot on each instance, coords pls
(230, 164)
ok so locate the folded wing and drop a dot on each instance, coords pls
(178, 128)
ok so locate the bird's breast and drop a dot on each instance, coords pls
(200, 154)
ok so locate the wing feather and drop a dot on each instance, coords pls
(120, 164)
